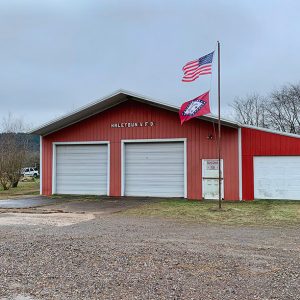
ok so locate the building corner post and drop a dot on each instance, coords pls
(240, 162)
(41, 165)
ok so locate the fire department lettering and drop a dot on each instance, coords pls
(132, 124)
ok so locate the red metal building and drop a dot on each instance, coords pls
(129, 145)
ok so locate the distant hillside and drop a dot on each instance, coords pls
(33, 140)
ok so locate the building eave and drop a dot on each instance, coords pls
(107, 102)
(294, 135)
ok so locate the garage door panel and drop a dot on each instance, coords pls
(164, 147)
(85, 169)
(156, 184)
(73, 148)
(72, 191)
(89, 162)
(147, 156)
(88, 176)
(81, 169)
(175, 158)
(155, 191)
(154, 169)
(78, 181)
(277, 177)
(149, 178)
(160, 194)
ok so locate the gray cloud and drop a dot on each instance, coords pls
(58, 55)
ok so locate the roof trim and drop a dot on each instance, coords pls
(37, 129)
(294, 135)
(107, 102)
(120, 96)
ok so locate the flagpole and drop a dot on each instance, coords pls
(219, 129)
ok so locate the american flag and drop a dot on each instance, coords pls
(201, 66)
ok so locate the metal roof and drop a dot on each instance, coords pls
(107, 102)
(294, 135)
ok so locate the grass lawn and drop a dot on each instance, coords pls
(259, 212)
(23, 188)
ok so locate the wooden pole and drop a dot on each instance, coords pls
(219, 129)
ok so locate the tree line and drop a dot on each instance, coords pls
(16, 150)
(280, 110)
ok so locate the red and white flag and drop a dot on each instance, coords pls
(195, 108)
(201, 66)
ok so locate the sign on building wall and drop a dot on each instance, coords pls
(210, 178)
(212, 164)
(132, 124)
(210, 168)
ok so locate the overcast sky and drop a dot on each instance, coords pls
(57, 55)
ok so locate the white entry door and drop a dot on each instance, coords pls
(81, 169)
(154, 169)
(210, 179)
(277, 177)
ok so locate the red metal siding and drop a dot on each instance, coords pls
(262, 143)
(98, 128)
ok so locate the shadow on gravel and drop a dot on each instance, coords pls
(28, 202)
(100, 204)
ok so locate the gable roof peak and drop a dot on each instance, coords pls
(107, 102)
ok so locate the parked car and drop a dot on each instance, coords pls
(33, 172)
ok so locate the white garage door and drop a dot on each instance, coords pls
(277, 177)
(154, 169)
(81, 169)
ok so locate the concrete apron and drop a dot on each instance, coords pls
(27, 202)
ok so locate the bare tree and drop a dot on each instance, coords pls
(251, 110)
(280, 111)
(12, 124)
(4, 162)
(284, 109)
(13, 151)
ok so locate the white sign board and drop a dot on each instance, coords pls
(210, 168)
(210, 179)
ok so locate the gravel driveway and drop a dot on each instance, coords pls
(113, 256)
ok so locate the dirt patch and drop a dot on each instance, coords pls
(50, 219)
